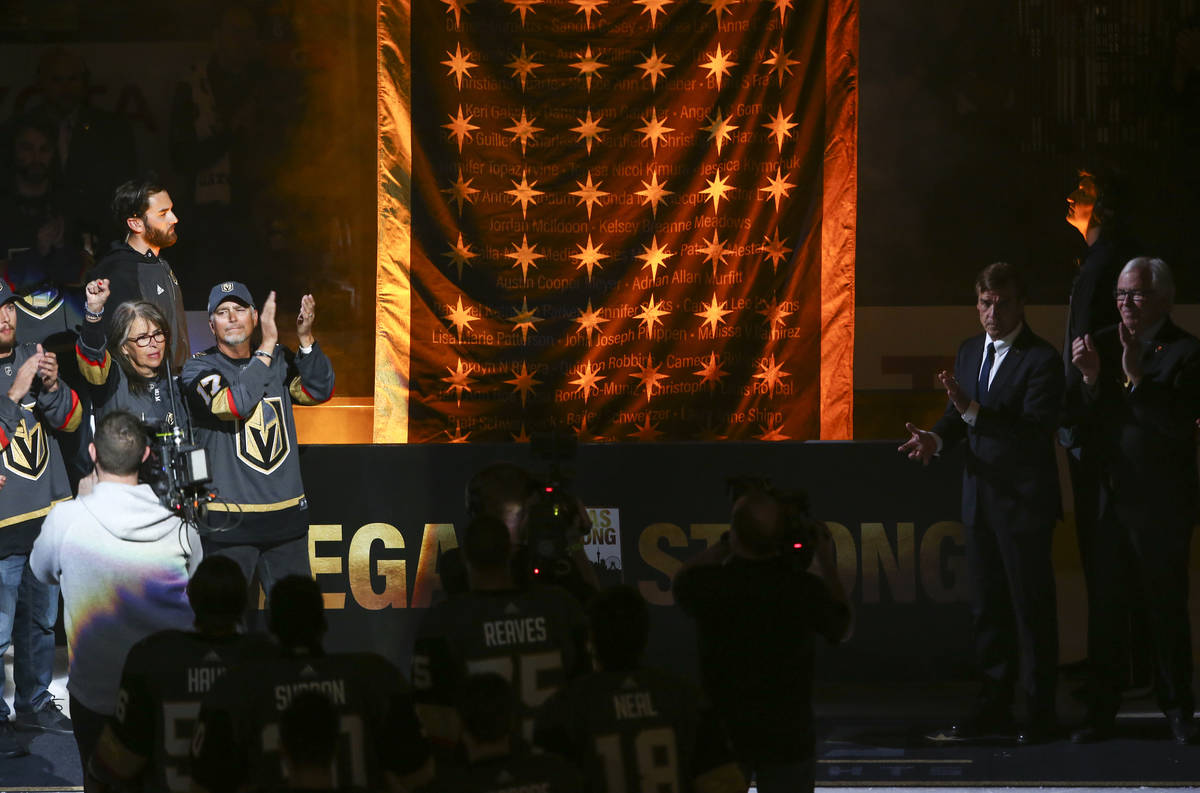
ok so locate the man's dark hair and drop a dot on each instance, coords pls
(308, 730)
(120, 443)
(620, 626)
(217, 592)
(496, 486)
(1104, 187)
(998, 276)
(757, 522)
(131, 199)
(296, 612)
(487, 707)
(486, 543)
(38, 123)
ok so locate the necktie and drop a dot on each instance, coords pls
(985, 372)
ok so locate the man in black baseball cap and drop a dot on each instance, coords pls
(241, 397)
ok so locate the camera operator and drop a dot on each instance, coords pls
(757, 615)
(119, 554)
(553, 519)
(241, 399)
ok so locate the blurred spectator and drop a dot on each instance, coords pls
(630, 727)
(492, 758)
(145, 744)
(534, 637)
(237, 742)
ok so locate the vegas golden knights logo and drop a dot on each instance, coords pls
(27, 454)
(262, 439)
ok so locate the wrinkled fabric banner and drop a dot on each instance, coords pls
(623, 220)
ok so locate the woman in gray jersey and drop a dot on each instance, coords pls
(139, 382)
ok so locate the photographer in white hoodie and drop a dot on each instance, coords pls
(123, 561)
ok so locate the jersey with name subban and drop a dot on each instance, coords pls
(238, 740)
(166, 675)
(641, 730)
(535, 638)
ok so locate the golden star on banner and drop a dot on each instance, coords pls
(782, 6)
(718, 64)
(649, 375)
(587, 8)
(780, 63)
(461, 318)
(460, 380)
(716, 190)
(777, 188)
(654, 193)
(458, 8)
(589, 257)
(775, 313)
(646, 432)
(460, 254)
(589, 129)
(710, 431)
(654, 256)
(713, 314)
(775, 250)
(588, 65)
(524, 193)
(461, 191)
(711, 372)
(780, 127)
(458, 436)
(589, 193)
(522, 436)
(650, 314)
(523, 65)
(523, 383)
(589, 321)
(654, 66)
(584, 434)
(715, 253)
(654, 8)
(523, 7)
(460, 64)
(655, 129)
(588, 380)
(523, 130)
(720, 129)
(524, 256)
(525, 320)
(771, 432)
(770, 373)
(719, 7)
(460, 128)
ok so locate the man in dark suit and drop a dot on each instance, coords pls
(1005, 396)
(1141, 391)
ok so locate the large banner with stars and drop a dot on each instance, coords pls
(622, 219)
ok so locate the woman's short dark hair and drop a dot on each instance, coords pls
(122, 326)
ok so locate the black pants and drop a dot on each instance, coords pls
(1141, 545)
(87, 725)
(1016, 615)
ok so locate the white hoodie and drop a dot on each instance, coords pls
(123, 562)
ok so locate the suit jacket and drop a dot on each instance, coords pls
(1148, 433)
(1010, 478)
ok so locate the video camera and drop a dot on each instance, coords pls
(799, 533)
(178, 472)
(553, 520)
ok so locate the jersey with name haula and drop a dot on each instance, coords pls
(641, 730)
(166, 676)
(238, 739)
(534, 638)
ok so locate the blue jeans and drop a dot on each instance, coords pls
(28, 609)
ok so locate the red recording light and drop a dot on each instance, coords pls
(536, 571)
(798, 545)
(549, 490)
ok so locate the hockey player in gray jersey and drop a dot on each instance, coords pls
(241, 401)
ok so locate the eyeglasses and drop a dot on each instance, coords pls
(146, 338)
(1138, 296)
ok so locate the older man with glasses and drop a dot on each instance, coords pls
(1141, 394)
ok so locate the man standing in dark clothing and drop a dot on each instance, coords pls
(744, 592)
(1141, 389)
(135, 270)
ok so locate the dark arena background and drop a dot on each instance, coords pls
(704, 239)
